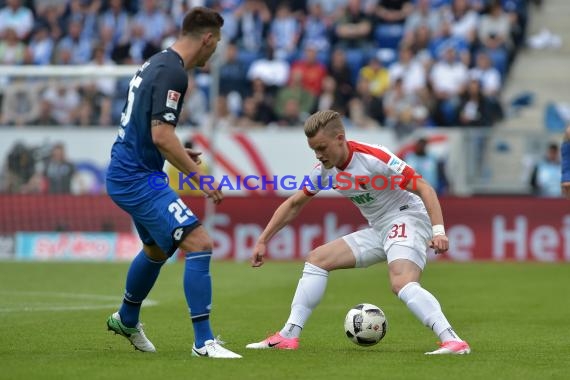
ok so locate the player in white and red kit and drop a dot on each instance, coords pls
(404, 215)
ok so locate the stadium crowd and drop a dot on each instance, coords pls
(397, 64)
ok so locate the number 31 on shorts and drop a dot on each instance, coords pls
(398, 231)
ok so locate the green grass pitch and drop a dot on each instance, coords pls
(515, 316)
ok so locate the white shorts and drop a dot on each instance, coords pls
(380, 242)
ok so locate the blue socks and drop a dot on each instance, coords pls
(141, 277)
(198, 291)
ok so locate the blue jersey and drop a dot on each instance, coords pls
(156, 92)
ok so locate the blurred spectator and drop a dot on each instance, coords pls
(316, 32)
(225, 119)
(488, 75)
(372, 106)
(376, 75)
(359, 115)
(448, 79)
(157, 24)
(253, 20)
(464, 20)
(265, 101)
(116, 19)
(518, 14)
(393, 11)
(341, 73)
(270, 69)
(249, 116)
(332, 9)
(352, 33)
(294, 90)
(233, 73)
(76, 43)
(545, 177)
(444, 39)
(426, 165)
(17, 17)
(410, 71)
(85, 13)
(45, 114)
(49, 16)
(105, 42)
(227, 9)
(195, 109)
(95, 107)
(58, 171)
(136, 49)
(474, 109)
(284, 33)
(423, 15)
(291, 116)
(297, 7)
(420, 43)
(312, 71)
(21, 104)
(495, 36)
(178, 8)
(19, 168)
(404, 111)
(329, 96)
(490, 79)
(12, 50)
(41, 46)
(64, 100)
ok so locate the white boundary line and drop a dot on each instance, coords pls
(95, 297)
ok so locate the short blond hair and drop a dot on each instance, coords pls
(328, 120)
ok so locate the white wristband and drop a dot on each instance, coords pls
(438, 229)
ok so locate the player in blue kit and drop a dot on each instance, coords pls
(164, 223)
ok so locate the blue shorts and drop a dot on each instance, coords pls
(160, 216)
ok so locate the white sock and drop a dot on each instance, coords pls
(290, 331)
(426, 308)
(309, 293)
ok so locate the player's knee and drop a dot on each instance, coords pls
(196, 241)
(320, 261)
(399, 283)
(396, 287)
(155, 253)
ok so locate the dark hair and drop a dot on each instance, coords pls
(200, 20)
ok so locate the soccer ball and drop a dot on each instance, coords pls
(365, 324)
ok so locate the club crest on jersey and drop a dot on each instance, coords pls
(172, 99)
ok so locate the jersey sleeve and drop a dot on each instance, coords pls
(313, 183)
(168, 95)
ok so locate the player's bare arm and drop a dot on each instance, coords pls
(565, 152)
(428, 195)
(165, 139)
(285, 213)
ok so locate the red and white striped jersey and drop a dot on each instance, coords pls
(373, 178)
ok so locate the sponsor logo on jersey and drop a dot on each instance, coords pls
(396, 165)
(169, 116)
(172, 99)
(362, 199)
